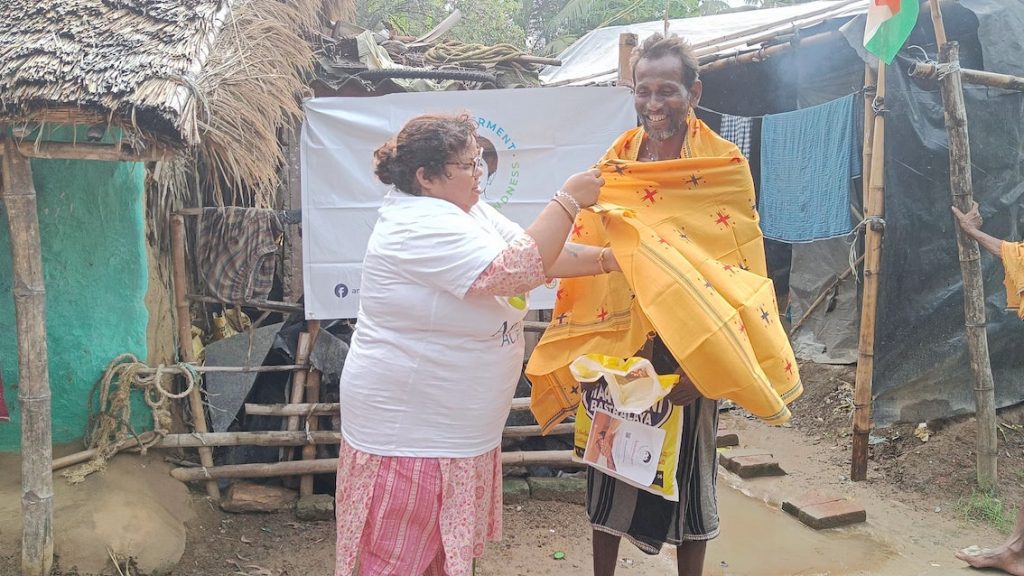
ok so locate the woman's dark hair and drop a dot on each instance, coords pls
(426, 141)
(657, 46)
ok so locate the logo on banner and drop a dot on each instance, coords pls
(499, 152)
(342, 290)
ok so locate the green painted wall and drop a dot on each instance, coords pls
(94, 260)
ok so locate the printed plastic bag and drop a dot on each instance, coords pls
(633, 383)
(623, 444)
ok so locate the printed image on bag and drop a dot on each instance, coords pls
(627, 445)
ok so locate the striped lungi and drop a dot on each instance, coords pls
(648, 520)
(402, 515)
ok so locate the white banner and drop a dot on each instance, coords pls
(541, 135)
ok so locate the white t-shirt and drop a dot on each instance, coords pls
(431, 372)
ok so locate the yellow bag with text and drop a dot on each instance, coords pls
(624, 422)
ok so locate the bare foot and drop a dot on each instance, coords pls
(1003, 558)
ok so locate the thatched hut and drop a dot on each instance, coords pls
(96, 95)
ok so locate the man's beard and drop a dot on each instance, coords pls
(662, 135)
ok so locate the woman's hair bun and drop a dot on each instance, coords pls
(383, 162)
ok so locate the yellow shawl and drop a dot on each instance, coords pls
(1013, 264)
(686, 235)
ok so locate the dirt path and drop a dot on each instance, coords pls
(911, 497)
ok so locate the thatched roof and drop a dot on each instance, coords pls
(218, 75)
(129, 61)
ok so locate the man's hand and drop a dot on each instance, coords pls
(971, 221)
(684, 392)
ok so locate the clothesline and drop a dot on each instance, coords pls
(861, 91)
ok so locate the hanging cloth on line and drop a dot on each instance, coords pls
(808, 162)
(737, 129)
(238, 252)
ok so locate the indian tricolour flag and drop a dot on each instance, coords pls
(889, 25)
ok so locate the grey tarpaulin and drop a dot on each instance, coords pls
(922, 369)
(829, 334)
(226, 391)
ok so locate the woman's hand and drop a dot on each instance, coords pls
(584, 187)
(970, 222)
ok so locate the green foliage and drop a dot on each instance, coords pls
(490, 22)
(483, 21)
(983, 506)
(539, 26)
(562, 22)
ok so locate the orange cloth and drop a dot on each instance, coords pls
(1013, 265)
(686, 235)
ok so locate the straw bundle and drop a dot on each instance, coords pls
(219, 76)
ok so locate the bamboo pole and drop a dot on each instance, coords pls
(312, 424)
(268, 438)
(272, 305)
(331, 408)
(185, 351)
(760, 55)
(870, 89)
(260, 438)
(225, 369)
(627, 43)
(937, 24)
(873, 212)
(928, 70)
(29, 289)
(330, 466)
(970, 268)
(298, 382)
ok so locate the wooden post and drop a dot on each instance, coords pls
(185, 352)
(937, 24)
(870, 89)
(968, 76)
(312, 424)
(19, 199)
(873, 212)
(627, 43)
(298, 383)
(970, 267)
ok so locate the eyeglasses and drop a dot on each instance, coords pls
(478, 163)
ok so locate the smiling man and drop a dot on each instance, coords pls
(666, 90)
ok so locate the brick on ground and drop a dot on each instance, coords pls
(751, 463)
(832, 514)
(726, 439)
(246, 497)
(810, 498)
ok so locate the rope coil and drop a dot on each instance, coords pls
(109, 430)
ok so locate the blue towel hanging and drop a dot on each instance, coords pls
(808, 161)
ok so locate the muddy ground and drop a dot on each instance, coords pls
(919, 497)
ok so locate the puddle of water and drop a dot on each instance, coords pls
(758, 540)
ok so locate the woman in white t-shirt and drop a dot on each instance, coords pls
(438, 350)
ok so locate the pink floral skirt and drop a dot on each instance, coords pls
(412, 516)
